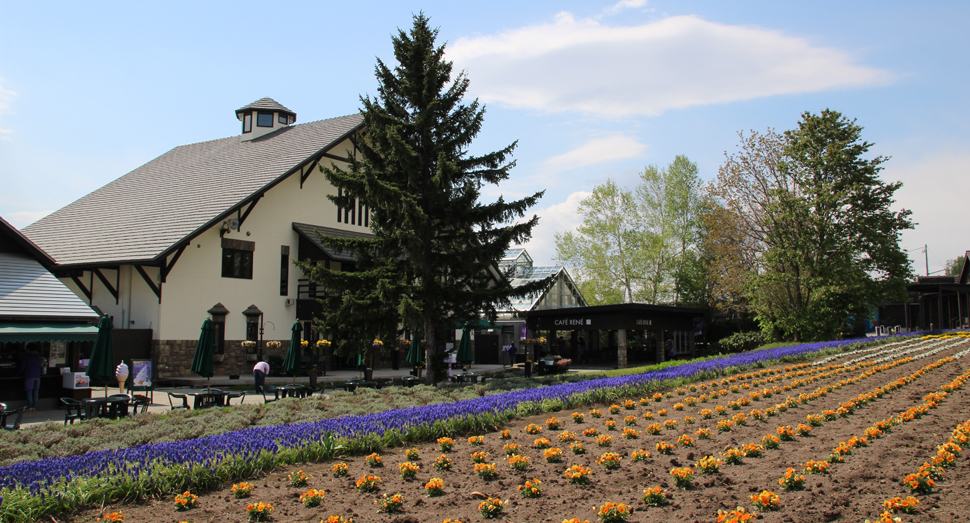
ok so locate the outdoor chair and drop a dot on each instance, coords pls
(269, 394)
(183, 397)
(242, 398)
(150, 389)
(16, 422)
(138, 400)
(73, 410)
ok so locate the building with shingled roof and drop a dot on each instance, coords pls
(211, 229)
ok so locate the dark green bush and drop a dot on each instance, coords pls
(740, 342)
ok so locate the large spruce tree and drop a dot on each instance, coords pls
(433, 261)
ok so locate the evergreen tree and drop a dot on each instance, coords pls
(434, 257)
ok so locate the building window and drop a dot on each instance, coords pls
(264, 119)
(237, 259)
(284, 270)
(283, 119)
(248, 123)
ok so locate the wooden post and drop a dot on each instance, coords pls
(621, 361)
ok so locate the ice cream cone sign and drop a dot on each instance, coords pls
(121, 372)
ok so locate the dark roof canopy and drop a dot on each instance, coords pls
(629, 316)
(309, 232)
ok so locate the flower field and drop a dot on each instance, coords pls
(840, 438)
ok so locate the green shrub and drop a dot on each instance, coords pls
(740, 342)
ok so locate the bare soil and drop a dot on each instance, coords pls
(852, 491)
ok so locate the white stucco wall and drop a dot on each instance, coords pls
(136, 307)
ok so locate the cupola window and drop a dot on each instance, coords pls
(264, 120)
(248, 123)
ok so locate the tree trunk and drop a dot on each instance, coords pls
(431, 349)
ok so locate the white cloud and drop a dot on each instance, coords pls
(5, 96)
(626, 4)
(595, 151)
(560, 217)
(21, 219)
(935, 189)
(589, 67)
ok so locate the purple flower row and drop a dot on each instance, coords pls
(247, 444)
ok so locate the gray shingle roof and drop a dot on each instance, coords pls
(139, 216)
(266, 104)
(29, 291)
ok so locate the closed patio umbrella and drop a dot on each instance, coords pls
(202, 361)
(415, 355)
(101, 367)
(291, 362)
(465, 354)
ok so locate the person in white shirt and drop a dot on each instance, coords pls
(259, 374)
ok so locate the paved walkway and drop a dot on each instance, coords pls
(48, 409)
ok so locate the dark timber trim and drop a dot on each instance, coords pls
(248, 210)
(168, 268)
(308, 170)
(113, 290)
(80, 284)
(157, 289)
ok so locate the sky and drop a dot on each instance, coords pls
(589, 90)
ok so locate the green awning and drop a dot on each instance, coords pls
(30, 332)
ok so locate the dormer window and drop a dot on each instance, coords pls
(264, 119)
(283, 119)
(248, 123)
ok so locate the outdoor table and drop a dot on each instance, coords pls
(112, 408)
(352, 385)
(206, 400)
(468, 377)
(294, 391)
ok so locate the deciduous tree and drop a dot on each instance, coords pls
(819, 238)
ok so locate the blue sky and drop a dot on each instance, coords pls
(591, 90)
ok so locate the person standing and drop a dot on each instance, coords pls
(259, 375)
(511, 350)
(31, 369)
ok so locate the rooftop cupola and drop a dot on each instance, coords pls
(263, 117)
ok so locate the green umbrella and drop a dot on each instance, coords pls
(101, 367)
(291, 362)
(465, 354)
(202, 361)
(415, 355)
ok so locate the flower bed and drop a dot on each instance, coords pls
(163, 468)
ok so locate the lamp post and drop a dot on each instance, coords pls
(254, 328)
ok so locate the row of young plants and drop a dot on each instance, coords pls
(923, 480)
(31, 490)
(792, 479)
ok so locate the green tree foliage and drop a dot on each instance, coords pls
(433, 260)
(639, 245)
(608, 249)
(955, 266)
(816, 241)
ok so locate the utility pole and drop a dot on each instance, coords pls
(926, 258)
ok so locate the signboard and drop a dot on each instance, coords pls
(141, 372)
